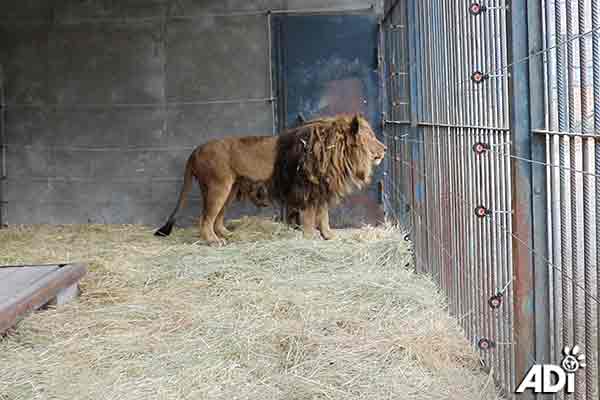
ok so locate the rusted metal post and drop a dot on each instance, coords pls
(2, 146)
(542, 276)
(415, 137)
(529, 203)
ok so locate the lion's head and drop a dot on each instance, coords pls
(325, 159)
(368, 140)
(370, 151)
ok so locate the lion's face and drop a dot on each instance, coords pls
(374, 149)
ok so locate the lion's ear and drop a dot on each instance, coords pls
(355, 125)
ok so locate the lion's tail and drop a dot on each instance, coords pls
(166, 229)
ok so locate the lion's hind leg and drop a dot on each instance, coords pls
(215, 197)
(220, 228)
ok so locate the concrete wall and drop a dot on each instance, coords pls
(105, 99)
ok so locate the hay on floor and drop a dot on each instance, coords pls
(270, 316)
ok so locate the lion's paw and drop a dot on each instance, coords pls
(223, 232)
(309, 235)
(328, 234)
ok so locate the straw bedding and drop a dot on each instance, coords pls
(270, 316)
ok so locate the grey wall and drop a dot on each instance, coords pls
(104, 100)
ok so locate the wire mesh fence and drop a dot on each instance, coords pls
(492, 121)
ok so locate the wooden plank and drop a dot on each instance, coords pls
(14, 279)
(41, 287)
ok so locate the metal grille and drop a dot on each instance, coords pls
(572, 115)
(492, 121)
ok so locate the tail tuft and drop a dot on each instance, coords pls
(166, 229)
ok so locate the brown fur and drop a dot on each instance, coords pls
(308, 168)
(256, 192)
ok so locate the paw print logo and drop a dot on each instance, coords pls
(574, 359)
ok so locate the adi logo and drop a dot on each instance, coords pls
(550, 378)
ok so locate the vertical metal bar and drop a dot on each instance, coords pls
(270, 71)
(565, 187)
(596, 90)
(496, 273)
(2, 145)
(469, 136)
(474, 189)
(503, 243)
(483, 240)
(415, 83)
(452, 157)
(473, 257)
(431, 171)
(482, 265)
(389, 78)
(492, 188)
(539, 184)
(458, 234)
(530, 273)
(427, 133)
(470, 171)
(417, 134)
(590, 278)
(577, 273)
(461, 190)
(446, 150)
(458, 155)
(506, 199)
(389, 162)
(438, 145)
(486, 135)
(552, 36)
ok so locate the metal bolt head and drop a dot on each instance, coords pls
(481, 211)
(495, 301)
(486, 344)
(479, 76)
(476, 8)
(480, 147)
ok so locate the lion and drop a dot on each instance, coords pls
(308, 168)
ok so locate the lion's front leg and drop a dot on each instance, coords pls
(323, 222)
(309, 222)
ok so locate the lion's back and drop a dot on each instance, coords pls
(251, 157)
